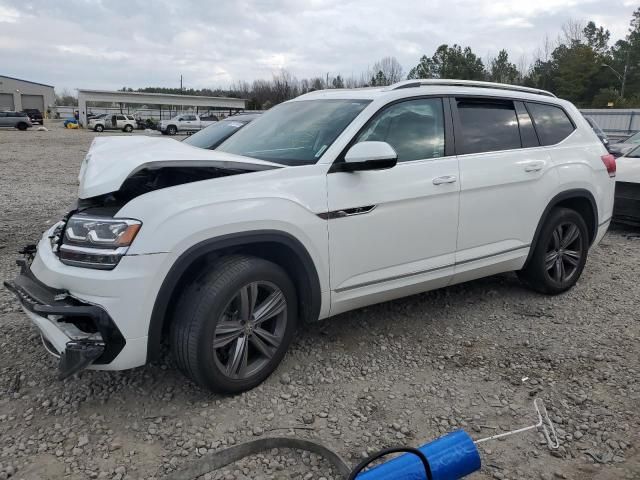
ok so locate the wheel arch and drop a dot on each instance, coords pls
(580, 200)
(276, 246)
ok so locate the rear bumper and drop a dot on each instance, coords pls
(602, 229)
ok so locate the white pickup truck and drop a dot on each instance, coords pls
(186, 122)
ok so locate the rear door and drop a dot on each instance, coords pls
(506, 180)
(393, 232)
(189, 122)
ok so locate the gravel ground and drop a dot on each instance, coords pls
(472, 356)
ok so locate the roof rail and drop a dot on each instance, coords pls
(422, 82)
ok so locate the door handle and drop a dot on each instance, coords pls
(445, 179)
(535, 166)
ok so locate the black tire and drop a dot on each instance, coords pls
(202, 308)
(172, 130)
(128, 128)
(22, 126)
(558, 258)
(98, 128)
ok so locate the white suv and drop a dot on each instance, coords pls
(326, 203)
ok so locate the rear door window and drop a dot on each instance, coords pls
(487, 125)
(551, 122)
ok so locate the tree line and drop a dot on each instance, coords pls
(581, 65)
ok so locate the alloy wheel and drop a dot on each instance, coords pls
(564, 252)
(250, 330)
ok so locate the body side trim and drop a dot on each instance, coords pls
(435, 269)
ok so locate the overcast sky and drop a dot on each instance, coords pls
(111, 43)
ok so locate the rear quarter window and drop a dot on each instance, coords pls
(551, 122)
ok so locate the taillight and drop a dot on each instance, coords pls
(610, 162)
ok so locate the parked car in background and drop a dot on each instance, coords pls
(35, 115)
(212, 136)
(627, 204)
(19, 120)
(335, 200)
(599, 132)
(626, 145)
(120, 121)
(186, 122)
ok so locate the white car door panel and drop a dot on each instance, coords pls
(505, 179)
(393, 232)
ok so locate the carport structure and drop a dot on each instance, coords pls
(233, 105)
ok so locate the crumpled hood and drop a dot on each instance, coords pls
(111, 160)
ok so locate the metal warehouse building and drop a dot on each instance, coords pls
(17, 94)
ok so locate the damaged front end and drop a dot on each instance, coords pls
(78, 333)
(91, 236)
(150, 179)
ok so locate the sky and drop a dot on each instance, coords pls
(136, 43)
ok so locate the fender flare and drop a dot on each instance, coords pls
(562, 196)
(171, 281)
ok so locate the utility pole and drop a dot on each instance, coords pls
(180, 83)
(623, 77)
(624, 74)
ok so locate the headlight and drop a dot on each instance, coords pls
(97, 242)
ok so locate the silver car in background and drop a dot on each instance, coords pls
(19, 120)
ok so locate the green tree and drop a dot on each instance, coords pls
(379, 80)
(449, 62)
(597, 38)
(625, 60)
(503, 71)
(575, 69)
(605, 97)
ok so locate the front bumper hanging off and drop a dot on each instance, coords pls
(92, 335)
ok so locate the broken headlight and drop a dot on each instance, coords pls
(97, 242)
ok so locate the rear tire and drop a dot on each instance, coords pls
(234, 324)
(128, 128)
(560, 253)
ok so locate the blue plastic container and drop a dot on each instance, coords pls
(450, 457)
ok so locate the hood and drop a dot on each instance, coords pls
(111, 160)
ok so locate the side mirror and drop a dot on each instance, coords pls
(368, 156)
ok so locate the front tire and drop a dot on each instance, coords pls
(22, 126)
(560, 253)
(98, 128)
(128, 128)
(172, 130)
(234, 324)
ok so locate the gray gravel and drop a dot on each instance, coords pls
(402, 372)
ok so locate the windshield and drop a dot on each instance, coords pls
(295, 133)
(635, 153)
(633, 138)
(215, 134)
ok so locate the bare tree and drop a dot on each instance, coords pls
(285, 86)
(523, 67)
(391, 70)
(572, 32)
